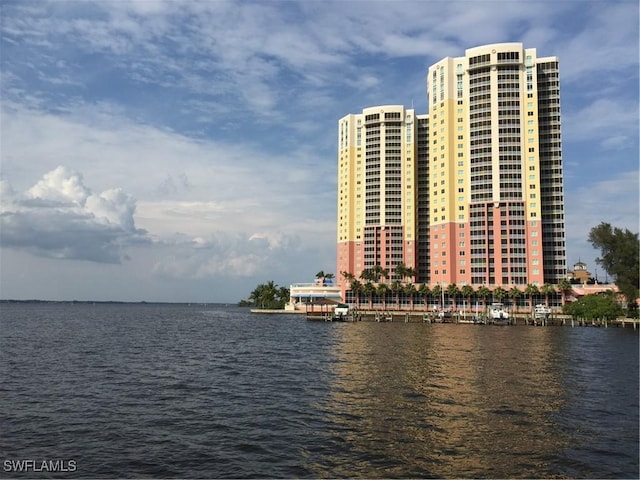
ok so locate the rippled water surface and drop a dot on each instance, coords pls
(217, 392)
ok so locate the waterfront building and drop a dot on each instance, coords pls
(470, 194)
(378, 197)
(579, 273)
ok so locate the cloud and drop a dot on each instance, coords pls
(228, 255)
(611, 121)
(59, 217)
(216, 121)
(614, 201)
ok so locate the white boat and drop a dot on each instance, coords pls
(541, 311)
(497, 313)
(341, 312)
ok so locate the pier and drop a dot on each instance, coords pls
(413, 316)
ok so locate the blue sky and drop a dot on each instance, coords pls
(186, 150)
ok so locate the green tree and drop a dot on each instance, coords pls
(530, 292)
(378, 273)
(619, 256)
(600, 306)
(453, 291)
(499, 293)
(515, 294)
(396, 287)
(367, 275)
(369, 289)
(410, 273)
(356, 289)
(268, 295)
(546, 290)
(401, 270)
(425, 293)
(437, 293)
(381, 290)
(467, 292)
(564, 286)
(410, 291)
(483, 292)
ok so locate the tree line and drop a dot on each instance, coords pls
(267, 296)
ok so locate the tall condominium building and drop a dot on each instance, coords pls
(378, 189)
(471, 193)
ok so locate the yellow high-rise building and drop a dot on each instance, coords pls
(471, 193)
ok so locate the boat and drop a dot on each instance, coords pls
(341, 312)
(497, 315)
(541, 311)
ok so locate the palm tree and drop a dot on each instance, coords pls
(467, 292)
(264, 295)
(437, 293)
(356, 289)
(499, 293)
(530, 291)
(283, 295)
(483, 292)
(410, 291)
(515, 294)
(424, 291)
(367, 275)
(396, 287)
(564, 286)
(368, 289)
(453, 291)
(382, 290)
(348, 276)
(401, 270)
(410, 273)
(378, 272)
(547, 289)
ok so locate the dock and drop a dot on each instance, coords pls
(413, 316)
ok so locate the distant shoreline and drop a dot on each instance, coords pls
(118, 302)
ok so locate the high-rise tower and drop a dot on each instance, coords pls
(472, 192)
(496, 168)
(377, 194)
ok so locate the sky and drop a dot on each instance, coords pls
(186, 151)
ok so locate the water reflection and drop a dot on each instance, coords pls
(417, 400)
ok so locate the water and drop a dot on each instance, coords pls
(168, 391)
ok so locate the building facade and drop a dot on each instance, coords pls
(471, 193)
(378, 189)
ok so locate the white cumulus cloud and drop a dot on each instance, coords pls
(60, 217)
